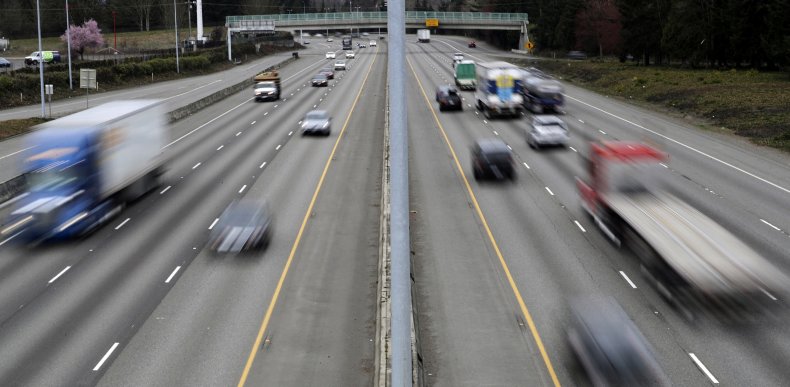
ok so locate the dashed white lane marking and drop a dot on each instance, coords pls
(104, 358)
(214, 223)
(508, 147)
(237, 134)
(266, 113)
(771, 296)
(527, 165)
(243, 188)
(278, 147)
(196, 165)
(210, 121)
(220, 147)
(291, 132)
(167, 281)
(573, 149)
(166, 189)
(275, 106)
(55, 278)
(581, 121)
(478, 113)
(9, 238)
(771, 225)
(664, 165)
(122, 223)
(579, 225)
(622, 273)
(685, 146)
(253, 122)
(703, 368)
(602, 132)
(496, 133)
(262, 165)
(314, 106)
(549, 190)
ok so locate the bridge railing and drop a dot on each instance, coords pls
(411, 16)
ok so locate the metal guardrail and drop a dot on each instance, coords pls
(410, 17)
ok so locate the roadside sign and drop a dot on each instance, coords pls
(87, 79)
(529, 45)
(49, 90)
(432, 22)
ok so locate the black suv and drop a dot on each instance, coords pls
(491, 158)
(448, 98)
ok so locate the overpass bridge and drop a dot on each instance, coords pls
(368, 20)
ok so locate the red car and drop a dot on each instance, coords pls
(472, 44)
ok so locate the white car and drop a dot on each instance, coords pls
(458, 57)
(547, 130)
(330, 40)
(330, 55)
(350, 55)
(372, 43)
(340, 65)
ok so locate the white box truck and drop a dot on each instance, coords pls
(424, 36)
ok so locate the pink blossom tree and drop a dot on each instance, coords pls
(82, 37)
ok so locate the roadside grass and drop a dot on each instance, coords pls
(749, 103)
(11, 128)
(136, 40)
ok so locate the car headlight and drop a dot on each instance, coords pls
(257, 93)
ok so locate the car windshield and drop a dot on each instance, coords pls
(553, 126)
(264, 84)
(316, 115)
(320, 77)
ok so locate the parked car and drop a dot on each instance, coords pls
(244, 225)
(547, 130)
(4, 63)
(319, 80)
(330, 55)
(578, 55)
(330, 74)
(472, 44)
(610, 347)
(317, 122)
(340, 65)
(448, 98)
(491, 158)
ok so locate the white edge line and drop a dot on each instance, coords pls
(167, 281)
(55, 278)
(579, 225)
(622, 273)
(685, 146)
(19, 151)
(9, 238)
(703, 368)
(122, 223)
(214, 223)
(106, 355)
(210, 121)
(772, 226)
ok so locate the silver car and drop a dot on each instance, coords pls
(547, 130)
(317, 122)
(244, 225)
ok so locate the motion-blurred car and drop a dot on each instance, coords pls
(319, 80)
(317, 122)
(578, 55)
(491, 158)
(372, 43)
(448, 98)
(350, 55)
(330, 74)
(340, 65)
(610, 347)
(330, 55)
(4, 63)
(472, 44)
(545, 130)
(244, 225)
(266, 90)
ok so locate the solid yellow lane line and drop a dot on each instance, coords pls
(276, 295)
(491, 239)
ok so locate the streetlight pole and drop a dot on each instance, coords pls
(40, 60)
(189, 13)
(68, 43)
(114, 34)
(175, 18)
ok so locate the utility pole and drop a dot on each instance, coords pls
(114, 34)
(189, 13)
(40, 60)
(68, 43)
(175, 20)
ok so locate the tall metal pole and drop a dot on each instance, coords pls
(40, 61)
(175, 18)
(399, 195)
(114, 34)
(68, 43)
(189, 14)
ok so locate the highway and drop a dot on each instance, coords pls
(142, 302)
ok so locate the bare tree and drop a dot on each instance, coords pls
(142, 11)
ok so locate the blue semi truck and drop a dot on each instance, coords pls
(84, 168)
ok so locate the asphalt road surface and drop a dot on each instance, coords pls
(141, 302)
